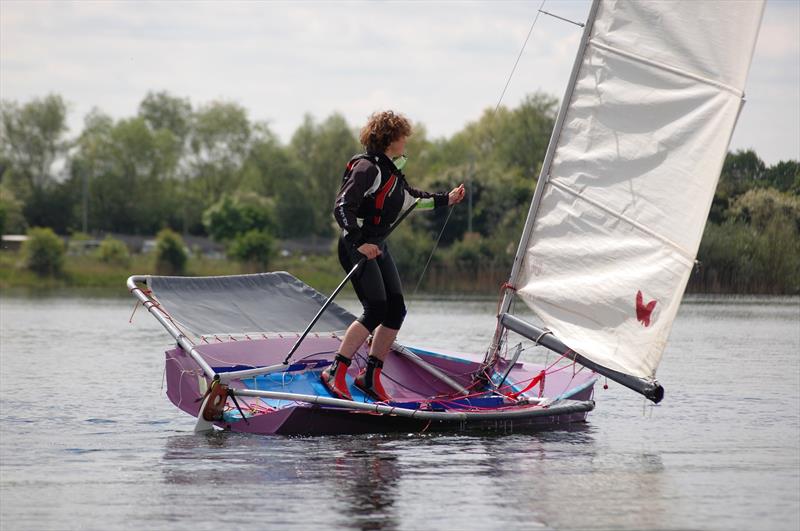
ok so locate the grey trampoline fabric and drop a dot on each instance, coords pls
(264, 302)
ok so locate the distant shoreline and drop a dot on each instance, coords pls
(88, 275)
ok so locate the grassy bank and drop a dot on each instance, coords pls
(322, 272)
(88, 272)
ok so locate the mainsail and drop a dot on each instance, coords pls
(630, 174)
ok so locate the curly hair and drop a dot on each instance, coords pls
(382, 129)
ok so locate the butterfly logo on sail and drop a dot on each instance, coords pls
(644, 311)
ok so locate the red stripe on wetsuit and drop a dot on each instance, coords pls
(381, 197)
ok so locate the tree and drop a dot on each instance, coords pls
(237, 214)
(31, 140)
(411, 253)
(268, 163)
(470, 252)
(52, 206)
(741, 171)
(160, 110)
(522, 135)
(164, 112)
(43, 252)
(757, 249)
(127, 166)
(171, 255)
(726, 257)
(422, 153)
(759, 206)
(113, 251)
(295, 213)
(31, 143)
(323, 151)
(784, 176)
(11, 207)
(254, 246)
(742, 168)
(219, 144)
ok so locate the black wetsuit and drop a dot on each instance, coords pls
(373, 194)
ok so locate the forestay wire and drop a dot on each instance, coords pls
(430, 256)
(499, 101)
(519, 56)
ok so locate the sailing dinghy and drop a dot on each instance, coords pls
(610, 240)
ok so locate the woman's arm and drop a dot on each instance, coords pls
(435, 200)
(429, 200)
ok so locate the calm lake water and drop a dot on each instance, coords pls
(89, 440)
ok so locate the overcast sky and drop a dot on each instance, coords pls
(441, 63)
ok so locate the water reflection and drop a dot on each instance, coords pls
(368, 476)
(345, 481)
(385, 482)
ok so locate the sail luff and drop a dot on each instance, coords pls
(541, 182)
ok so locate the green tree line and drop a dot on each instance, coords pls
(210, 170)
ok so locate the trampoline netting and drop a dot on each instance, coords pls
(244, 304)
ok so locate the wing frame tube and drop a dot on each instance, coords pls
(559, 407)
(153, 308)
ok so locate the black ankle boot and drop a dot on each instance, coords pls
(334, 377)
(369, 381)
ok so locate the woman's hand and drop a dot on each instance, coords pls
(457, 195)
(369, 250)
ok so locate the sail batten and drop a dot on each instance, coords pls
(618, 215)
(628, 180)
(668, 68)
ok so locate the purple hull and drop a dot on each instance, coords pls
(404, 381)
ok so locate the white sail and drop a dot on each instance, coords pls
(633, 172)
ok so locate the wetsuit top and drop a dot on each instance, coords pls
(373, 194)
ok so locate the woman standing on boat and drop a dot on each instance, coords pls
(373, 194)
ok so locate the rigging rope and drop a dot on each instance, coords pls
(497, 106)
(508, 81)
(430, 256)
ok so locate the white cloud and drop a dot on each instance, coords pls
(441, 63)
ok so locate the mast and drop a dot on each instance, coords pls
(508, 294)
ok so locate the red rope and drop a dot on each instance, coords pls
(531, 384)
(503, 287)
(135, 307)
(538, 378)
(147, 292)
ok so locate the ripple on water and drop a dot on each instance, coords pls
(721, 452)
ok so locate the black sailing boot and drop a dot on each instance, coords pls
(333, 378)
(369, 380)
